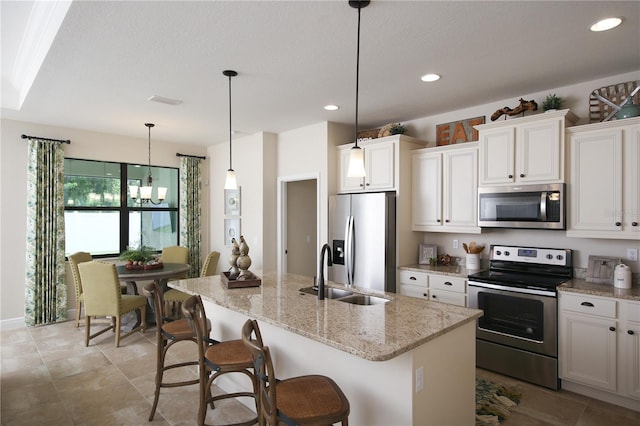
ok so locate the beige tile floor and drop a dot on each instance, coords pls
(48, 376)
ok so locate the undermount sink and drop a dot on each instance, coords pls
(363, 299)
(329, 292)
(346, 296)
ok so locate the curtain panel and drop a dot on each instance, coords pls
(45, 278)
(190, 211)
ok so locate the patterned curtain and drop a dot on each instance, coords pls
(190, 211)
(45, 285)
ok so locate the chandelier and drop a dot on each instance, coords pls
(145, 191)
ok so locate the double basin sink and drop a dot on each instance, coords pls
(345, 296)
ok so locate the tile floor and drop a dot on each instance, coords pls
(48, 376)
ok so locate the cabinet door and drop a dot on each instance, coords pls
(588, 350)
(630, 346)
(460, 193)
(347, 184)
(631, 196)
(414, 291)
(497, 156)
(379, 163)
(427, 191)
(596, 176)
(539, 155)
(449, 297)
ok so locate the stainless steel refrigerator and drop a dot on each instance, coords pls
(362, 235)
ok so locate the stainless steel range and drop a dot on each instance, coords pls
(518, 333)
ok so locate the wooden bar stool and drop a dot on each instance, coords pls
(217, 358)
(168, 333)
(302, 400)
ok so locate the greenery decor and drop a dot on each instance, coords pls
(551, 102)
(138, 256)
(397, 129)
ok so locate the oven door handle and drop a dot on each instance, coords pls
(511, 289)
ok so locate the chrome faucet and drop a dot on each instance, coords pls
(325, 249)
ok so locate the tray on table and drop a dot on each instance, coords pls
(224, 277)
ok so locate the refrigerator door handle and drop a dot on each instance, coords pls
(348, 249)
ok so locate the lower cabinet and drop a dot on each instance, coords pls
(433, 286)
(599, 344)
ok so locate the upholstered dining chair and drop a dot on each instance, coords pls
(74, 260)
(217, 358)
(102, 298)
(172, 297)
(210, 264)
(168, 333)
(302, 400)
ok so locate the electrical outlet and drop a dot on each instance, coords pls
(632, 254)
(419, 379)
(455, 244)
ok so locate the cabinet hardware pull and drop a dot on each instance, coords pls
(589, 304)
(612, 328)
(447, 220)
(447, 283)
(413, 278)
(424, 294)
(630, 332)
(434, 296)
(368, 184)
(521, 174)
(510, 176)
(634, 223)
(618, 223)
(438, 220)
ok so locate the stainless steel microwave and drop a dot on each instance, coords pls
(522, 206)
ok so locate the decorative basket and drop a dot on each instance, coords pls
(616, 94)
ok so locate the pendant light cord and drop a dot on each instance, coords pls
(230, 162)
(149, 178)
(357, 75)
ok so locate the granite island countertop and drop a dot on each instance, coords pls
(374, 332)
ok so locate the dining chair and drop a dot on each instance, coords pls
(302, 400)
(216, 359)
(74, 260)
(168, 333)
(102, 298)
(210, 264)
(172, 297)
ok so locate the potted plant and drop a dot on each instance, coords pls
(551, 102)
(397, 129)
(138, 256)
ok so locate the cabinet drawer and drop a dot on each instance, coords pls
(631, 311)
(450, 297)
(414, 291)
(414, 278)
(448, 283)
(588, 305)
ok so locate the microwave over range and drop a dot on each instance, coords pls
(522, 206)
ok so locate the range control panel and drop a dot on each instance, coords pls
(542, 256)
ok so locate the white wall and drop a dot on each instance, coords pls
(86, 145)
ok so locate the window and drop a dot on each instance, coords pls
(102, 219)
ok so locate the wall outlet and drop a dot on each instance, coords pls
(632, 254)
(455, 244)
(419, 379)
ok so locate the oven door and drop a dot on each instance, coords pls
(514, 318)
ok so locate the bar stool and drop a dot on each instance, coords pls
(302, 400)
(217, 358)
(168, 333)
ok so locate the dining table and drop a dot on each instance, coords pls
(159, 275)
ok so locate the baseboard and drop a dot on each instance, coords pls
(605, 396)
(16, 323)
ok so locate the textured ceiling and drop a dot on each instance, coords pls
(294, 57)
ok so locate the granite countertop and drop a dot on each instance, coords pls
(453, 270)
(578, 285)
(375, 332)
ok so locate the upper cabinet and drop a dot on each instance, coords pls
(527, 150)
(445, 186)
(382, 162)
(604, 180)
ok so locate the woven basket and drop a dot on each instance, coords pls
(616, 94)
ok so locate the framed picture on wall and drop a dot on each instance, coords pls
(231, 230)
(232, 202)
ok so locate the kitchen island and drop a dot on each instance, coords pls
(404, 362)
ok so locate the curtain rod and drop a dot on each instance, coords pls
(46, 139)
(192, 156)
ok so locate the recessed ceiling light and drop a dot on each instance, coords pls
(163, 100)
(430, 77)
(606, 24)
(331, 107)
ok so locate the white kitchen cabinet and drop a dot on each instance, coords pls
(382, 162)
(604, 180)
(526, 150)
(414, 284)
(433, 286)
(599, 344)
(445, 187)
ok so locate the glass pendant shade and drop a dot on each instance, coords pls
(145, 192)
(231, 182)
(133, 191)
(162, 193)
(356, 163)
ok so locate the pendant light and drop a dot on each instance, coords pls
(356, 156)
(230, 181)
(146, 191)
